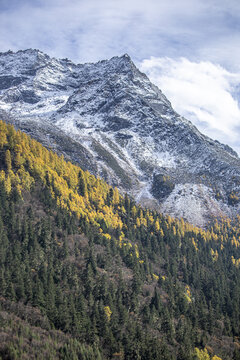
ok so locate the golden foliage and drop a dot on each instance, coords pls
(108, 312)
(201, 354)
(32, 162)
(156, 277)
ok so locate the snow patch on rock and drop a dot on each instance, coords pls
(195, 203)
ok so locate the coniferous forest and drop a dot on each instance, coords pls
(85, 273)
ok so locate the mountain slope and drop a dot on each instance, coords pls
(105, 271)
(126, 128)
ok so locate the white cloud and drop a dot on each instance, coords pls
(90, 30)
(203, 92)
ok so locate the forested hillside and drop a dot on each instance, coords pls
(85, 273)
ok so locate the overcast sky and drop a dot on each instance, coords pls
(189, 48)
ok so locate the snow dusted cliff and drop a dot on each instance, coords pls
(111, 119)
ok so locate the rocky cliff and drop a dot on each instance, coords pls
(114, 122)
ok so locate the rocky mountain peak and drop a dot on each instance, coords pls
(123, 129)
(122, 63)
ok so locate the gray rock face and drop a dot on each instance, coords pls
(112, 120)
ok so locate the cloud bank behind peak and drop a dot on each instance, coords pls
(203, 92)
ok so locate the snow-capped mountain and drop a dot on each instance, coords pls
(111, 119)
